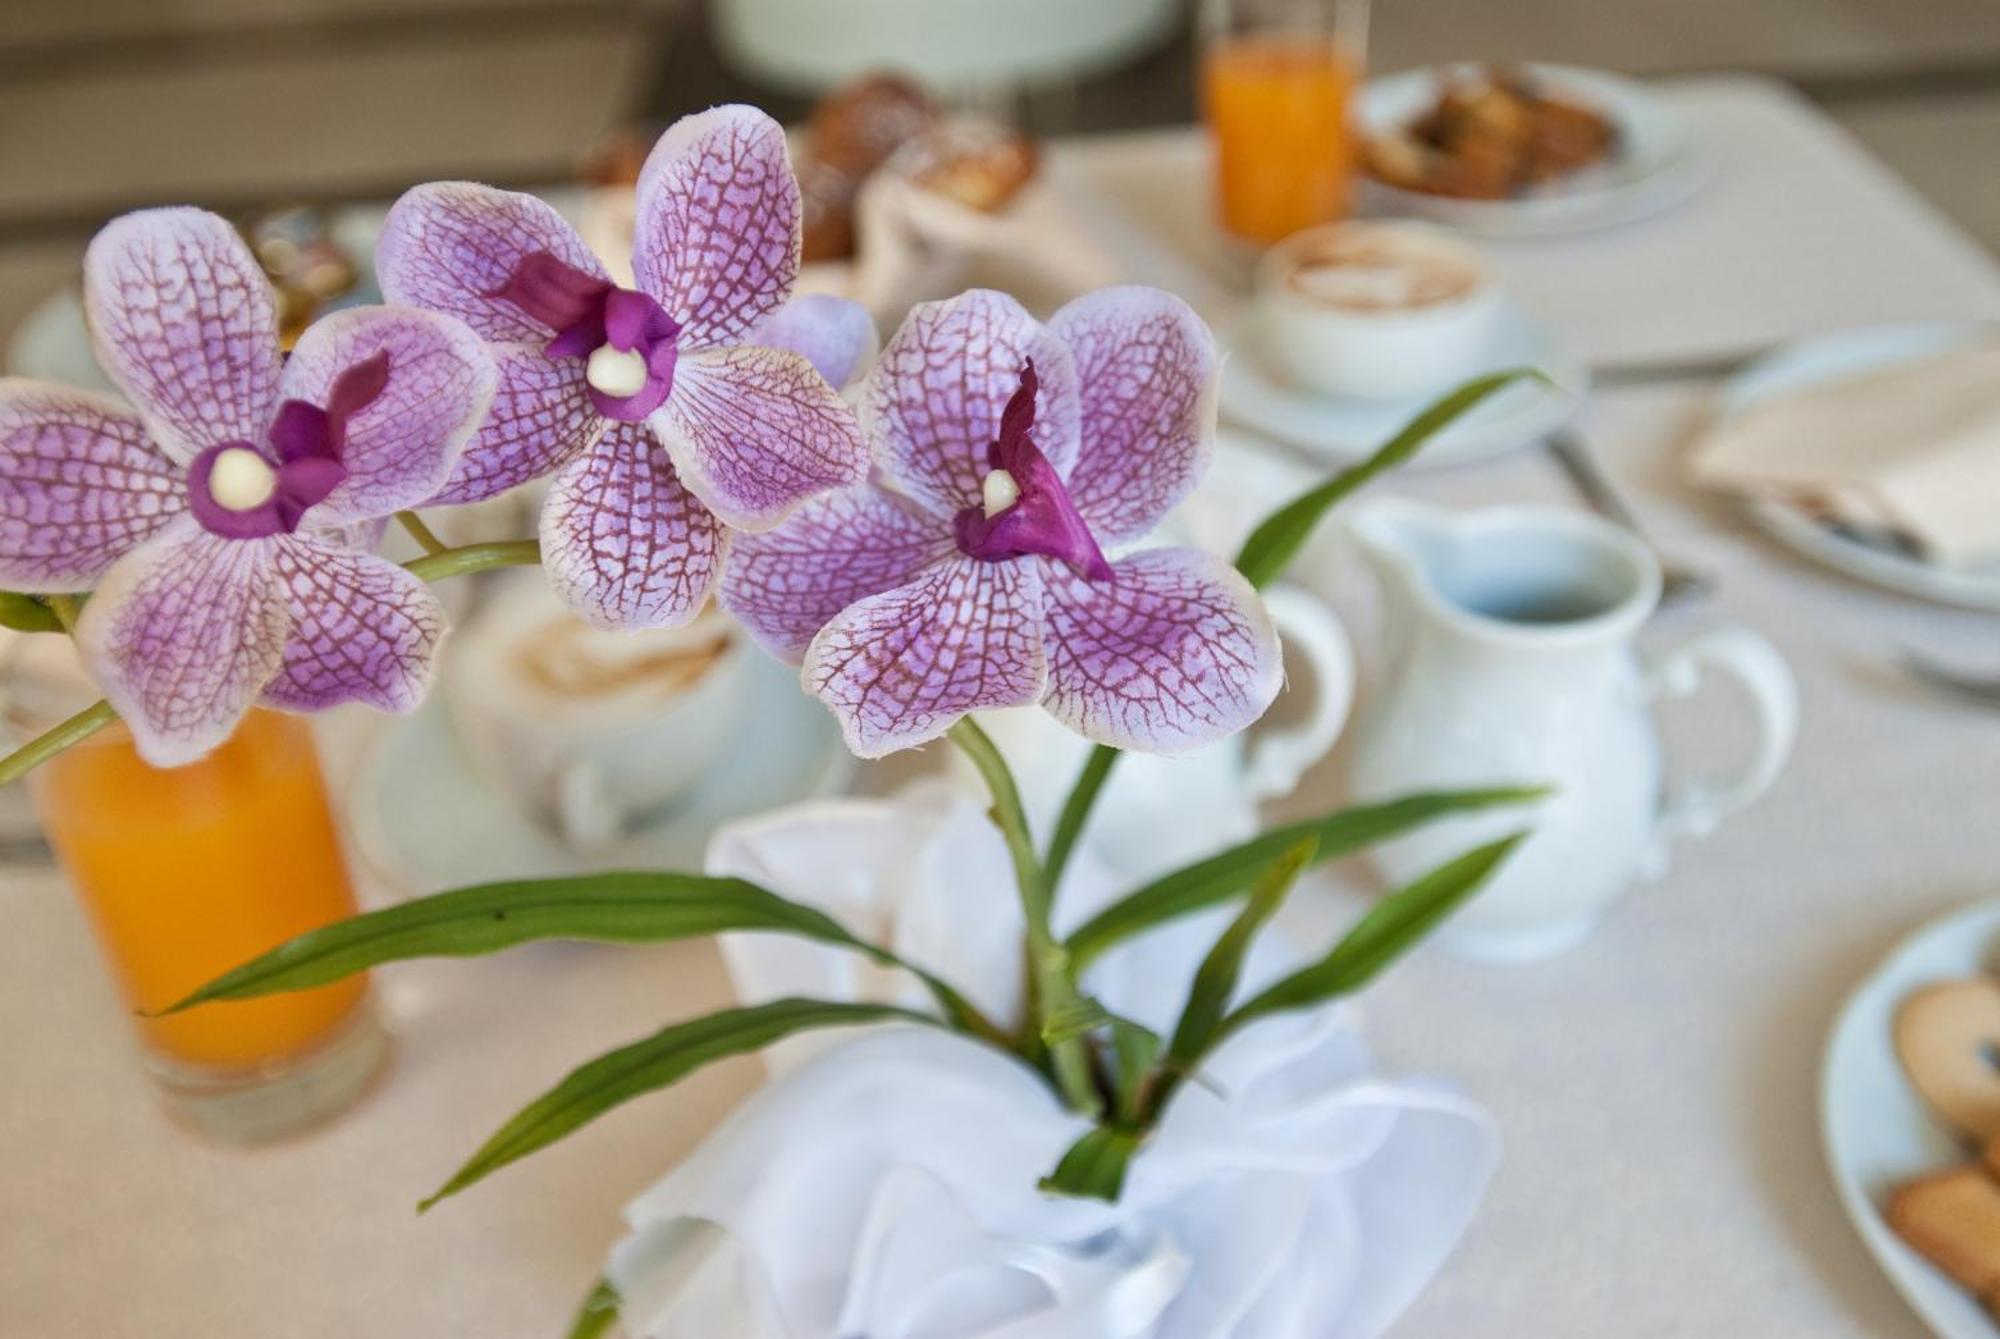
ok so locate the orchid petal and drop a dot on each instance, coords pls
(717, 234)
(1147, 377)
(787, 584)
(400, 445)
(182, 635)
(755, 432)
(81, 485)
(1175, 651)
(363, 629)
(900, 668)
(541, 417)
(932, 404)
(836, 335)
(183, 319)
(453, 246)
(624, 543)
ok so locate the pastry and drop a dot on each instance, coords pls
(977, 162)
(860, 124)
(1952, 1219)
(1948, 1038)
(1491, 135)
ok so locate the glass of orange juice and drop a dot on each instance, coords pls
(1277, 81)
(186, 872)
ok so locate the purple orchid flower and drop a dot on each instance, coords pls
(973, 574)
(224, 524)
(596, 379)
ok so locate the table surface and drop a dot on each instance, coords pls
(1656, 1087)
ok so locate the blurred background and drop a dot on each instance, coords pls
(110, 104)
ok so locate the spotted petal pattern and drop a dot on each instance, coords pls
(363, 629)
(401, 445)
(716, 239)
(755, 432)
(1174, 652)
(1147, 378)
(448, 245)
(932, 403)
(900, 668)
(541, 417)
(623, 542)
(787, 584)
(81, 485)
(183, 319)
(182, 636)
(836, 335)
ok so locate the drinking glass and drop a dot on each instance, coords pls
(1277, 81)
(188, 871)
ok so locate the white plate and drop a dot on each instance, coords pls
(1659, 162)
(424, 820)
(1875, 1129)
(1340, 430)
(1830, 358)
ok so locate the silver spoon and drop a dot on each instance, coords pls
(1980, 688)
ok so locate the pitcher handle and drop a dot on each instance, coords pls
(1278, 758)
(1696, 809)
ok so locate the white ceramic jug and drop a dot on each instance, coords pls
(1157, 813)
(1509, 661)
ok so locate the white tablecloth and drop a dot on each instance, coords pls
(1663, 1175)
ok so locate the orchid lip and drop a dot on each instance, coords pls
(626, 340)
(1024, 506)
(238, 490)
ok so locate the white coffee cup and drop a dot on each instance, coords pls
(1376, 310)
(591, 733)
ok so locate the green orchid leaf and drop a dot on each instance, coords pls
(1094, 1167)
(1216, 979)
(1278, 539)
(646, 1066)
(1134, 1048)
(1073, 1019)
(24, 613)
(1391, 928)
(598, 1313)
(1221, 877)
(619, 908)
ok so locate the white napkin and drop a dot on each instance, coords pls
(1912, 451)
(914, 245)
(885, 1187)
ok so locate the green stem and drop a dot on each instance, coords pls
(474, 558)
(1076, 811)
(426, 538)
(54, 740)
(1048, 961)
(67, 609)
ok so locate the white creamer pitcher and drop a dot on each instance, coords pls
(1509, 660)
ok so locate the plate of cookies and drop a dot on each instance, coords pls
(1910, 1116)
(1524, 150)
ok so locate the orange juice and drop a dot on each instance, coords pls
(1277, 106)
(189, 871)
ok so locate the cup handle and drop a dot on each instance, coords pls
(1278, 758)
(1696, 809)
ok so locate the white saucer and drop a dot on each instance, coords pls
(1875, 1129)
(1660, 161)
(1831, 358)
(1340, 430)
(425, 821)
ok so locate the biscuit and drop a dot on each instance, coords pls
(1948, 1038)
(1952, 1219)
